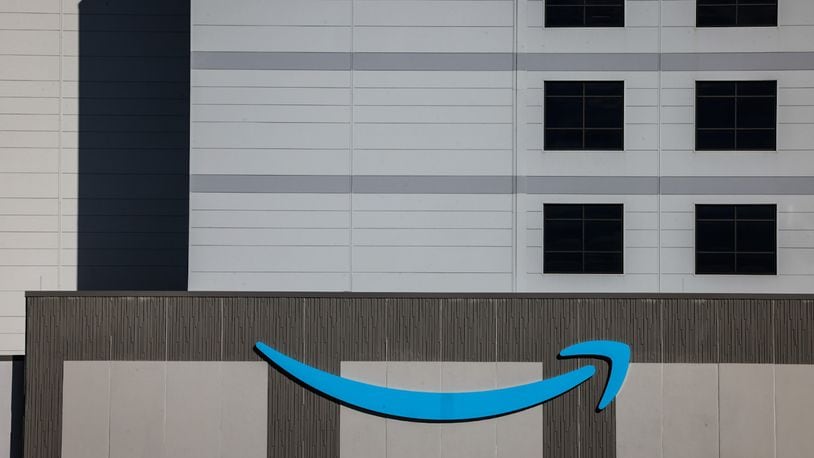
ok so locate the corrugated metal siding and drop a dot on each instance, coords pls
(327, 330)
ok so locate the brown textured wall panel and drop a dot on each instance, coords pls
(468, 329)
(794, 331)
(323, 331)
(413, 329)
(745, 331)
(690, 331)
(138, 328)
(194, 328)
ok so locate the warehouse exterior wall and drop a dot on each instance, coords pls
(707, 371)
(398, 146)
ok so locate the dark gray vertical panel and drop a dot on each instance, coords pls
(43, 377)
(337, 329)
(413, 329)
(193, 329)
(468, 329)
(633, 321)
(561, 415)
(520, 331)
(745, 331)
(138, 328)
(794, 331)
(690, 330)
(88, 322)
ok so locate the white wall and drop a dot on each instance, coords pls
(456, 122)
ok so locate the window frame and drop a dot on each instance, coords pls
(583, 251)
(735, 252)
(735, 129)
(584, 6)
(736, 5)
(583, 128)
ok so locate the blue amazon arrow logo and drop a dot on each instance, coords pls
(459, 406)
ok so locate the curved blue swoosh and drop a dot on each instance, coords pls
(452, 406)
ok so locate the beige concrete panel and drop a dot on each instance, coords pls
(639, 413)
(362, 435)
(746, 410)
(519, 434)
(193, 407)
(409, 439)
(244, 409)
(690, 411)
(6, 369)
(794, 404)
(137, 408)
(85, 409)
(469, 439)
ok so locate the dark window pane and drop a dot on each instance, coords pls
(563, 112)
(716, 16)
(562, 263)
(566, 2)
(715, 211)
(757, 112)
(712, 112)
(603, 235)
(714, 263)
(604, 112)
(715, 88)
(603, 211)
(756, 140)
(562, 211)
(768, 88)
(757, 15)
(605, 88)
(756, 211)
(604, 139)
(562, 235)
(715, 235)
(563, 88)
(563, 139)
(603, 263)
(756, 236)
(564, 16)
(604, 16)
(715, 140)
(757, 264)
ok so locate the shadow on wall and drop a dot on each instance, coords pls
(133, 138)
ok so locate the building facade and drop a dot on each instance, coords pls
(498, 171)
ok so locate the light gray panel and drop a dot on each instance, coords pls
(5, 405)
(193, 408)
(747, 410)
(690, 411)
(589, 62)
(639, 412)
(137, 408)
(734, 61)
(738, 185)
(794, 403)
(519, 434)
(589, 185)
(362, 435)
(244, 409)
(85, 408)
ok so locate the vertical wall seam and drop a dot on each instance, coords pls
(516, 106)
(59, 157)
(351, 146)
(658, 149)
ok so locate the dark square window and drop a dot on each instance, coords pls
(736, 13)
(582, 239)
(584, 115)
(735, 115)
(585, 13)
(736, 239)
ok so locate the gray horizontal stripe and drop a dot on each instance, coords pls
(738, 61)
(589, 62)
(423, 184)
(591, 185)
(208, 60)
(738, 185)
